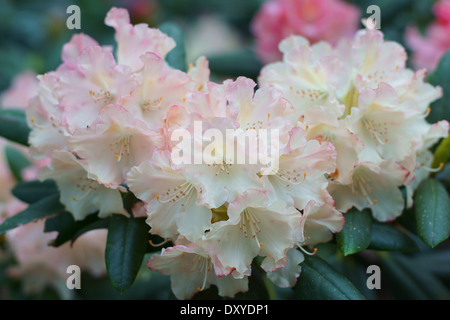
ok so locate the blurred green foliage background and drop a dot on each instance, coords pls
(32, 32)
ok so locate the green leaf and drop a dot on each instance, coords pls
(13, 126)
(442, 153)
(388, 238)
(355, 269)
(319, 281)
(96, 224)
(42, 208)
(432, 204)
(69, 230)
(125, 248)
(408, 220)
(17, 161)
(436, 261)
(407, 280)
(177, 56)
(355, 236)
(33, 191)
(440, 109)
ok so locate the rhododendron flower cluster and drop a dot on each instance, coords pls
(350, 130)
(429, 48)
(316, 20)
(360, 97)
(106, 120)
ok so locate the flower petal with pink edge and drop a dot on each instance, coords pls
(96, 82)
(81, 195)
(134, 41)
(320, 222)
(254, 229)
(287, 277)
(172, 208)
(375, 187)
(190, 269)
(159, 88)
(72, 50)
(114, 144)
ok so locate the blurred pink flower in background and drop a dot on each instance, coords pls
(429, 48)
(23, 88)
(40, 265)
(316, 20)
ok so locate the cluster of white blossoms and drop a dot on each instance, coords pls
(350, 121)
(360, 97)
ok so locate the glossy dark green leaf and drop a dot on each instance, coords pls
(320, 281)
(32, 191)
(125, 249)
(40, 209)
(440, 109)
(408, 220)
(355, 236)
(69, 230)
(96, 224)
(385, 237)
(408, 280)
(177, 56)
(17, 161)
(432, 206)
(356, 271)
(13, 126)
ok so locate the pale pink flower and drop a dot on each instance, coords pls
(374, 186)
(80, 194)
(302, 169)
(40, 265)
(95, 82)
(73, 49)
(326, 20)
(360, 96)
(429, 48)
(113, 145)
(19, 94)
(287, 277)
(134, 41)
(319, 222)
(159, 88)
(45, 119)
(256, 229)
(99, 114)
(172, 199)
(191, 270)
